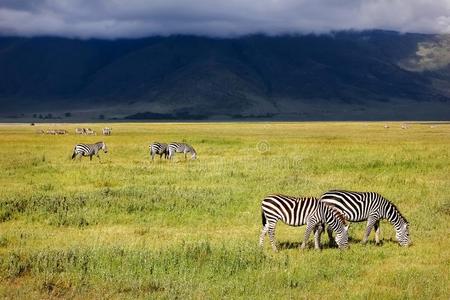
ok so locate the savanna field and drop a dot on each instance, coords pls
(127, 227)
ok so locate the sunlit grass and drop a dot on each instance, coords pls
(129, 227)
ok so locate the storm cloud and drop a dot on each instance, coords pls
(139, 18)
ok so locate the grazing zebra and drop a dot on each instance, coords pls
(89, 150)
(51, 131)
(181, 148)
(61, 131)
(79, 130)
(106, 131)
(159, 148)
(369, 206)
(300, 211)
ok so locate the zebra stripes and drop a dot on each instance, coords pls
(181, 148)
(370, 206)
(295, 211)
(159, 148)
(89, 150)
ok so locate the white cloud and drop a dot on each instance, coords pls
(137, 18)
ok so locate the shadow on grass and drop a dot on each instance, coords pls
(286, 245)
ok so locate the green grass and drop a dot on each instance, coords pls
(130, 228)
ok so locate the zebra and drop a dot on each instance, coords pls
(61, 131)
(295, 211)
(89, 131)
(158, 148)
(89, 150)
(181, 148)
(370, 206)
(106, 131)
(80, 130)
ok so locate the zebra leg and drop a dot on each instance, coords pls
(376, 226)
(331, 241)
(272, 237)
(263, 234)
(317, 233)
(309, 227)
(90, 157)
(370, 223)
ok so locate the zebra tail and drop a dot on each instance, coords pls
(263, 217)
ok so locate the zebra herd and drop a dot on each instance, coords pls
(333, 209)
(169, 150)
(86, 131)
(156, 148)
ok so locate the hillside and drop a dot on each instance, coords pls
(345, 75)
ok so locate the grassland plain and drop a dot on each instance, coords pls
(132, 228)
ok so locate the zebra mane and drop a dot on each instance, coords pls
(397, 210)
(99, 143)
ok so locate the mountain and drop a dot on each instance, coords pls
(343, 75)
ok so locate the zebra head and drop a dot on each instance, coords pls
(194, 154)
(104, 148)
(402, 235)
(342, 237)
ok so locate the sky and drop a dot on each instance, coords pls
(227, 18)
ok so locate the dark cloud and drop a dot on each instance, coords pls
(137, 18)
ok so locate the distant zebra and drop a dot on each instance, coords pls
(300, 211)
(51, 131)
(181, 148)
(61, 131)
(370, 206)
(89, 131)
(106, 131)
(89, 150)
(159, 148)
(79, 131)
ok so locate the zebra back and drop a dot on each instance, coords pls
(158, 148)
(357, 206)
(290, 210)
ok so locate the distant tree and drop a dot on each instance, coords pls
(67, 114)
(35, 116)
(101, 117)
(40, 116)
(49, 116)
